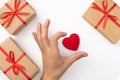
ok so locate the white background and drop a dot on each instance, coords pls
(103, 62)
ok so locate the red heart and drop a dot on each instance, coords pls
(71, 42)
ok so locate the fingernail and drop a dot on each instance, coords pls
(39, 24)
(47, 20)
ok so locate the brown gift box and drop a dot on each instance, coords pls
(16, 24)
(112, 28)
(30, 68)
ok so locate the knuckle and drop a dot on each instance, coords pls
(59, 33)
(39, 42)
(43, 37)
(74, 58)
(39, 39)
(46, 27)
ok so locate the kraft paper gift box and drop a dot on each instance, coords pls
(15, 63)
(15, 14)
(104, 15)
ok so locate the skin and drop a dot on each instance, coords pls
(54, 65)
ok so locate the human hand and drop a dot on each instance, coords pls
(54, 65)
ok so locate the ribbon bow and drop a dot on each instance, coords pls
(14, 12)
(10, 57)
(106, 12)
(15, 66)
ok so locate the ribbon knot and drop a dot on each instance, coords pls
(106, 12)
(13, 12)
(15, 66)
(10, 57)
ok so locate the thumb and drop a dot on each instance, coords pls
(75, 57)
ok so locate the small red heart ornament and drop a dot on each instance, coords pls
(71, 42)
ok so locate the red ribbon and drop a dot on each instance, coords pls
(14, 64)
(106, 12)
(14, 12)
(16, 67)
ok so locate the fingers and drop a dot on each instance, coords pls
(36, 39)
(42, 33)
(56, 36)
(45, 29)
(39, 31)
(37, 36)
(70, 60)
(34, 35)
